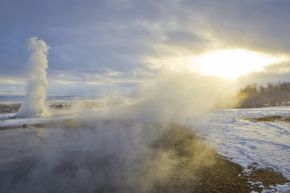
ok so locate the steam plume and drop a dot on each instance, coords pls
(138, 147)
(34, 101)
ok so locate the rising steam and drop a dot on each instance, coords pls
(34, 103)
(136, 147)
(176, 97)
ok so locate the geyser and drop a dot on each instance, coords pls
(34, 103)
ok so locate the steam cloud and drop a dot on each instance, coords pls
(178, 97)
(34, 103)
(128, 148)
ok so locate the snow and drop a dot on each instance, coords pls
(4, 117)
(248, 143)
(9, 120)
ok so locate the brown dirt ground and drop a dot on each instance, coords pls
(272, 118)
(219, 176)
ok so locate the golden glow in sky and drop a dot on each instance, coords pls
(232, 63)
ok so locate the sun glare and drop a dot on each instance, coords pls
(233, 63)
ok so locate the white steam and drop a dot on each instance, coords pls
(34, 103)
(180, 97)
(136, 147)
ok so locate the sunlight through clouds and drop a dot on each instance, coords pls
(233, 63)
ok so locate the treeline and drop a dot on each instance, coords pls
(262, 96)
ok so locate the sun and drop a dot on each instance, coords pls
(232, 63)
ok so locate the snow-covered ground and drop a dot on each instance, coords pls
(230, 132)
(248, 143)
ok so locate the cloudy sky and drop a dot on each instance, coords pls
(122, 42)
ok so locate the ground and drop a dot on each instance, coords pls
(229, 151)
(197, 168)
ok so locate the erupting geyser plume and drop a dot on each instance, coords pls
(34, 103)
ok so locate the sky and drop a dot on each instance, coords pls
(123, 42)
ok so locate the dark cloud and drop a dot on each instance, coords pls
(255, 24)
(273, 73)
(93, 36)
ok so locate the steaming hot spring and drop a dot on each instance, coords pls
(171, 138)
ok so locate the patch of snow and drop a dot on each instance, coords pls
(11, 121)
(247, 143)
(4, 117)
(285, 188)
